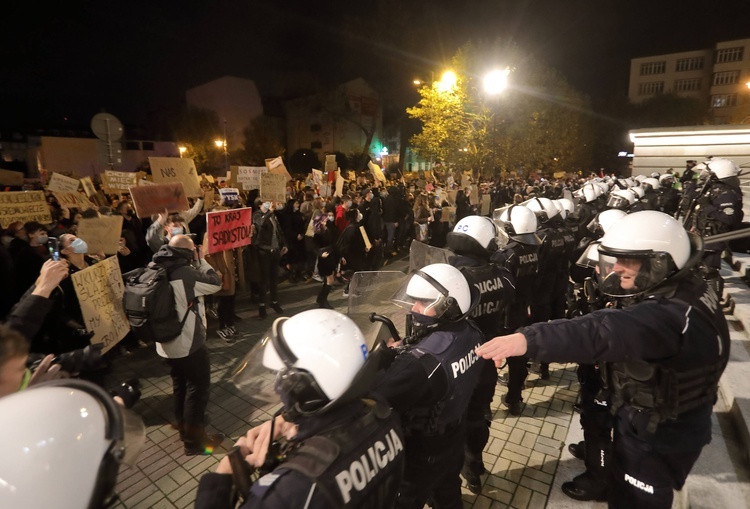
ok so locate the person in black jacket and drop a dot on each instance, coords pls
(351, 248)
(667, 347)
(335, 430)
(325, 237)
(293, 224)
(270, 245)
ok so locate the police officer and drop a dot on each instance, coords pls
(343, 449)
(668, 347)
(521, 257)
(473, 240)
(718, 210)
(431, 381)
(649, 200)
(668, 200)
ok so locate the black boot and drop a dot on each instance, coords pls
(322, 299)
(585, 487)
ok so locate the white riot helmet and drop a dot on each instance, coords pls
(568, 205)
(640, 251)
(518, 223)
(621, 199)
(666, 180)
(560, 209)
(313, 361)
(638, 192)
(63, 445)
(655, 175)
(588, 193)
(722, 168)
(441, 291)
(640, 178)
(603, 187)
(544, 209)
(603, 220)
(474, 235)
(651, 183)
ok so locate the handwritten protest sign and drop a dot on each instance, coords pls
(102, 234)
(276, 166)
(339, 186)
(317, 177)
(63, 184)
(273, 187)
(228, 229)
(368, 245)
(11, 178)
(376, 171)
(88, 187)
(99, 289)
(249, 176)
(448, 215)
(331, 162)
(73, 200)
(23, 206)
(176, 169)
(117, 181)
(154, 199)
(229, 195)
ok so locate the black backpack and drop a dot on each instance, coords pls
(149, 304)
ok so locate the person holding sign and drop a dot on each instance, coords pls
(168, 225)
(270, 243)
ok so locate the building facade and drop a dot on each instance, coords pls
(718, 76)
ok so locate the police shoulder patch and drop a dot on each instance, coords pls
(262, 486)
(729, 211)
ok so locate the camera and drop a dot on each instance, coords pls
(129, 391)
(88, 358)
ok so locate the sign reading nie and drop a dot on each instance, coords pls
(228, 229)
(176, 169)
(23, 206)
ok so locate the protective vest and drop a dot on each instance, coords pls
(668, 389)
(726, 207)
(552, 254)
(522, 260)
(452, 353)
(358, 464)
(495, 292)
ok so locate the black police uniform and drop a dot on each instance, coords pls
(668, 200)
(496, 288)
(668, 352)
(350, 457)
(430, 384)
(648, 202)
(522, 260)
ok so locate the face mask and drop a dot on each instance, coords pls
(331, 218)
(265, 207)
(79, 246)
(348, 204)
(369, 196)
(42, 239)
(296, 207)
(176, 231)
(280, 207)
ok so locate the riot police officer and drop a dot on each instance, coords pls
(318, 364)
(521, 257)
(668, 200)
(668, 348)
(431, 381)
(473, 240)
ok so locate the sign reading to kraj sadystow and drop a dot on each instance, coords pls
(229, 229)
(99, 289)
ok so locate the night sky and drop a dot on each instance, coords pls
(62, 62)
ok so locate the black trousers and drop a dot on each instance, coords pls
(477, 425)
(225, 310)
(269, 275)
(643, 477)
(517, 373)
(432, 471)
(191, 378)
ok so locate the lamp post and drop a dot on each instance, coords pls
(182, 150)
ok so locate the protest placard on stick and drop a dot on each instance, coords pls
(273, 187)
(229, 229)
(88, 187)
(154, 199)
(73, 200)
(176, 169)
(485, 204)
(62, 184)
(99, 289)
(229, 195)
(276, 165)
(102, 234)
(23, 206)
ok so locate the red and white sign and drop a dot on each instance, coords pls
(229, 229)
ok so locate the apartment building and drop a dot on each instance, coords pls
(718, 76)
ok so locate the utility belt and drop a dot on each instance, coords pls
(428, 426)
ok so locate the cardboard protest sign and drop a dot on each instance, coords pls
(249, 176)
(230, 195)
(11, 178)
(23, 206)
(229, 229)
(208, 178)
(317, 177)
(99, 289)
(474, 195)
(448, 215)
(73, 200)
(117, 181)
(339, 186)
(63, 184)
(276, 166)
(331, 162)
(451, 196)
(149, 200)
(368, 245)
(176, 169)
(88, 187)
(485, 205)
(102, 234)
(209, 200)
(325, 190)
(273, 187)
(376, 171)
(144, 182)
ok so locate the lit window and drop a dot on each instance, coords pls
(723, 100)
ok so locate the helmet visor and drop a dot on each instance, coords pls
(616, 202)
(256, 374)
(418, 295)
(590, 257)
(629, 274)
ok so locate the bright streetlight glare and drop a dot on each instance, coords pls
(496, 81)
(447, 81)
(219, 143)
(417, 82)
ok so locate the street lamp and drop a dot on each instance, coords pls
(223, 144)
(182, 150)
(447, 82)
(496, 82)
